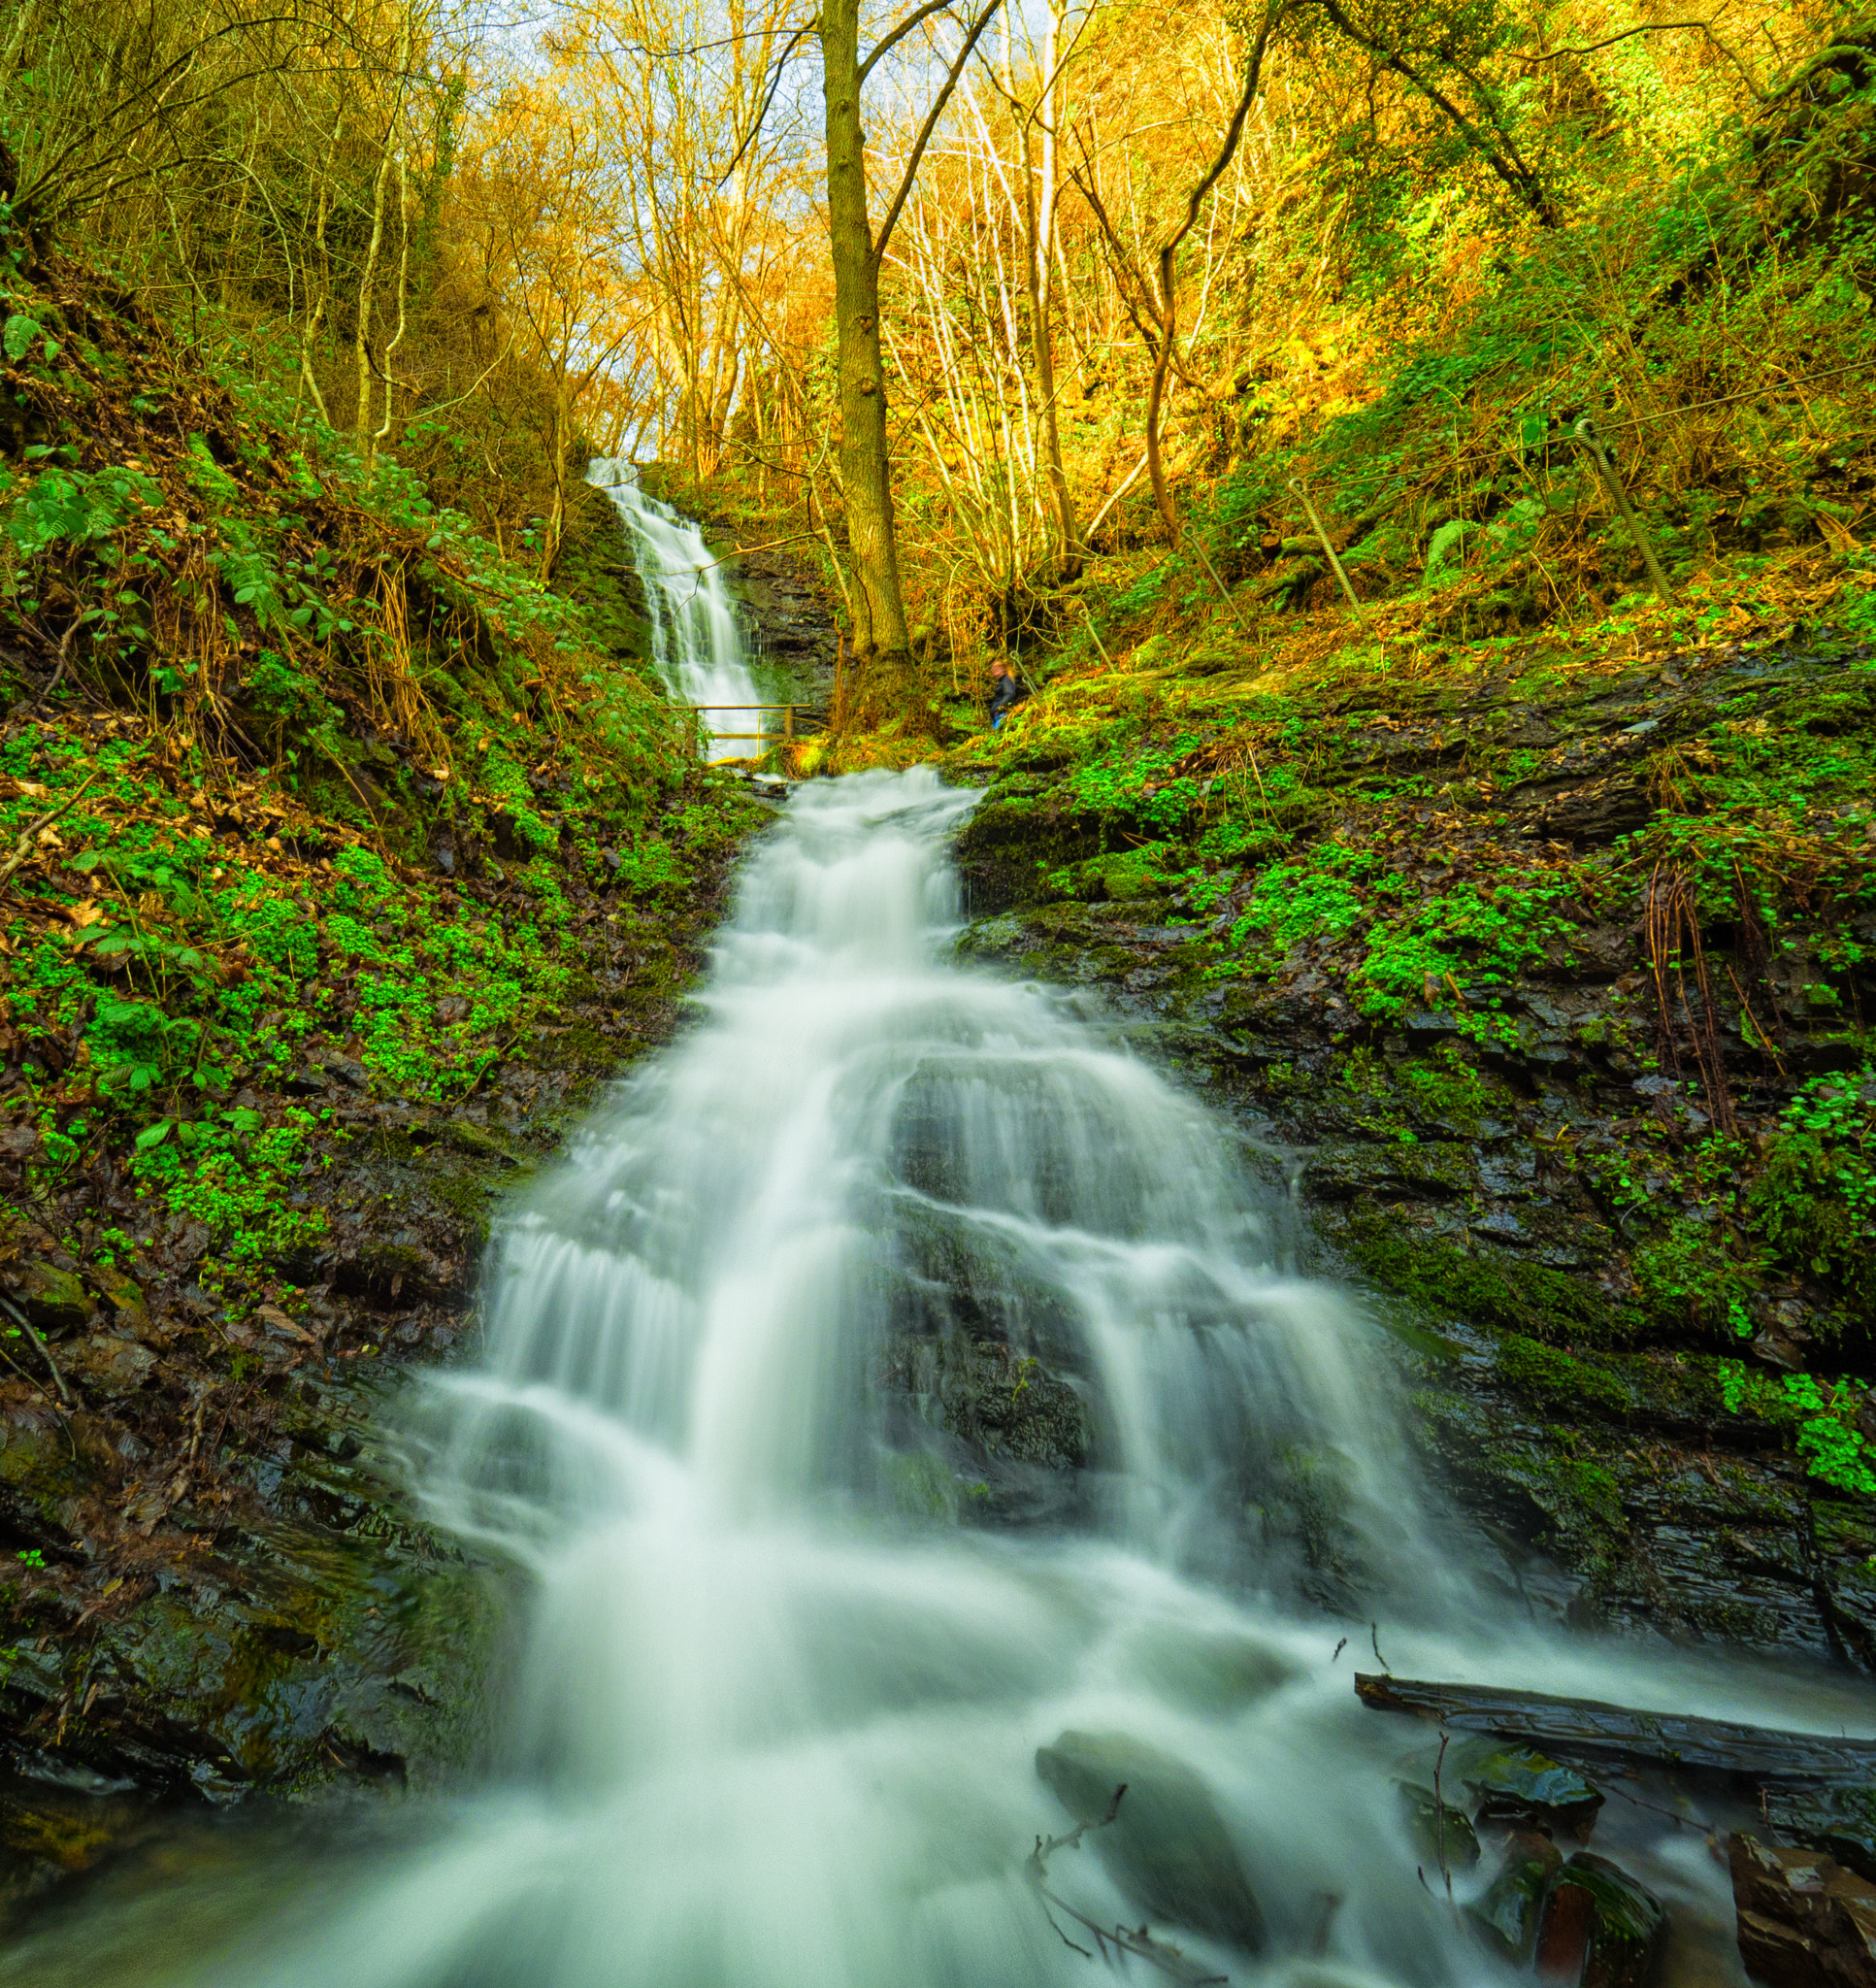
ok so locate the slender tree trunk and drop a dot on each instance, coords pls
(316, 317)
(1041, 209)
(1169, 298)
(361, 338)
(866, 471)
(556, 521)
(361, 344)
(402, 307)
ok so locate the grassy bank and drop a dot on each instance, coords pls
(341, 860)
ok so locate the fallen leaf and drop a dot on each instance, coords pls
(280, 1322)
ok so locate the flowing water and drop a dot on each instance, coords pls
(698, 643)
(789, 1654)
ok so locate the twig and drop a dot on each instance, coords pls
(30, 833)
(1135, 1940)
(1440, 1817)
(1224, 593)
(1322, 536)
(1672, 1814)
(1339, 1648)
(1591, 442)
(64, 655)
(1096, 633)
(44, 1351)
(1374, 1637)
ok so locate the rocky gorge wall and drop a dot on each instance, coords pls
(1542, 997)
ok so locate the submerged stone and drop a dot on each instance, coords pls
(1209, 1671)
(1440, 1832)
(1520, 1784)
(1167, 1848)
(1508, 1912)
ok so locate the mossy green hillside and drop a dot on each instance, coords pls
(342, 860)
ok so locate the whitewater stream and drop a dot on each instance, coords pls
(787, 1654)
(698, 646)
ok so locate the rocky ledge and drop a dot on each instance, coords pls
(1540, 999)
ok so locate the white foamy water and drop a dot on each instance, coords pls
(697, 638)
(778, 1697)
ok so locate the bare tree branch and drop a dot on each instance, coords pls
(929, 125)
(904, 28)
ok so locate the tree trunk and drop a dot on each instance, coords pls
(866, 471)
(1041, 271)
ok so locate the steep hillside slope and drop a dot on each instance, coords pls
(340, 859)
(1526, 908)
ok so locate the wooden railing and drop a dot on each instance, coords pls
(787, 710)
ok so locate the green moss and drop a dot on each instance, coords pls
(471, 1197)
(1446, 1090)
(1547, 1374)
(1541, 1303)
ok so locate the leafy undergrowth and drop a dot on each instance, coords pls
(1613, 887)
(1510, 858)
(339, 857)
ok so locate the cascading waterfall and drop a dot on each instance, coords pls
(777, 1710)
(697, 639)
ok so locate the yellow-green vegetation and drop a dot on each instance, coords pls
(296, 713)
(338, 858)
(1541, 907)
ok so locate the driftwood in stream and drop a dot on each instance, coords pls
(1579, 1728)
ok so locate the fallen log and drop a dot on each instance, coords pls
(1582, 1729)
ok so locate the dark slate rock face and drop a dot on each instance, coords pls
(1562, 1373)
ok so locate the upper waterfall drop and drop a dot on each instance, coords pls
(698, 646)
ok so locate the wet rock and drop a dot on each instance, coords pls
(1841, 1821)
(125, 1295)
(393, 1273)
(1803, 1919)
(1599, 1929)
(1508, 1912)
(1442, 1835)
(1519, 1784)
(1167, 1848)
(335, 1641)
(114, 1366)
(55, 1300)
(1001, 1405)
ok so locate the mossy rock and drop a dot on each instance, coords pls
(55, 1300)
(1508, 1912)
(1546, 1375)
(1531, 1299)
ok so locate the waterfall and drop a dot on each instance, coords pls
(697, 639)
(791, 1645)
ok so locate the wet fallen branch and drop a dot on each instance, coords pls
(1109, 1942)
(44, 1351)
(1581, 1728)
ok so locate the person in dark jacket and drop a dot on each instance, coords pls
(1007, 691)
